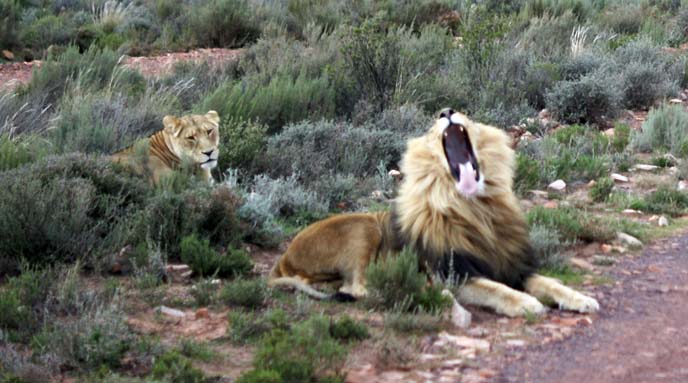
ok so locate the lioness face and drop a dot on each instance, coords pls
(460, 154)
(195, 136)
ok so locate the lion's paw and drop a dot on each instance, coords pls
(524, 305)
(580, 303)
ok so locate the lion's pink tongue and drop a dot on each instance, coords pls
(467, 185)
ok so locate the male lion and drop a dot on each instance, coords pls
(194, 136)
(457, 209)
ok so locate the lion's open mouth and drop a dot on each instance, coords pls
(460, 155)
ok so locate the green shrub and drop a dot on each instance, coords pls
(564, 221)
(305, 352)
(247, 327)
(223, 23)
(405, 322)
(647, 73)
(175, 368)
(21, 150)
(275, 102)
(249, 293)
(665, 200)
(195, 350)
(313, 149)
(204, 292)
(665, 127)
(601, 190)
(591, 98)
(64, 208)
(396, 283)
(373, 62)
(621, 138)
(260, 376)
(209, 213)
(47, 30)
(242, 144)
(205, 261)
(547, 245)
(347, 329)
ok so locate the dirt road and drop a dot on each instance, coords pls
(641, 334)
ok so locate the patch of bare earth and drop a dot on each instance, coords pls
(15, 74)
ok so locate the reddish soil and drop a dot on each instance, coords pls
(14, 74)
(639, 336)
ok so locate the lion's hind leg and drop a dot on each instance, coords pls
(567, 298)
(499, 297)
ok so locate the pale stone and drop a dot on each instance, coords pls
(609, 132)
(460, 317)
(581, 264)
(676, 101)
(171, 312)
(480, 345)
(646, 167)
(631, 212)
(663, 221)
(516, 342)
(682, 185)
(557, 185)
(394, 173)
(619, 177)
(629, 240)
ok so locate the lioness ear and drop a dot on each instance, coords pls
(172, 125)
(213, 117)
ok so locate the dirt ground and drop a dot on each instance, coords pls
(15, 74)
(639, 336)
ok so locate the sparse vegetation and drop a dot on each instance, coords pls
(315, 111)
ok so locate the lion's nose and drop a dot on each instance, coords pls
(446, 113)
(208, 153)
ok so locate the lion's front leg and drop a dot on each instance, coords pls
(565, 297)
(499, 297)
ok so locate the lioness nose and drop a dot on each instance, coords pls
(208, 153)
(446, 112)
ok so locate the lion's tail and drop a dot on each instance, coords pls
(300, 285)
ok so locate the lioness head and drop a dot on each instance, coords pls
(195, 136)
(458, 136)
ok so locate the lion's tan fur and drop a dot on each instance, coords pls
(487, 232)
(189, 136)
(433, 214)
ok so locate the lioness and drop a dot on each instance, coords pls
(194, 136)
(456, 208)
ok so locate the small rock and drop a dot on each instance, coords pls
(544, 114)
(629, 240)
(394, 173)
(646, 167)
(662, 221)
(539, 193)
(202, 313)
(8, 55)
(377, 194)
(170, 312)
(676, 101)
(603, 260)
(486, 373)
(606, 249)
(682, 185)
(516, 343)
(460, 317)
(478, 332)
(581, 264)
(609, 132)
(179, 273)
(557, 185)
(619, 177)
(445, 338)
(631, 212)
(653, 218)
(452, 363)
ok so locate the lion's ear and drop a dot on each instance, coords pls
(213, 117)
(172, 125)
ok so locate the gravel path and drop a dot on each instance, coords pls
(641, 334)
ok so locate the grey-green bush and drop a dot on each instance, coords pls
(665, 127)
(591, 98)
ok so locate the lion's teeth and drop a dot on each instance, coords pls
(443, 123)
(457, 119)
